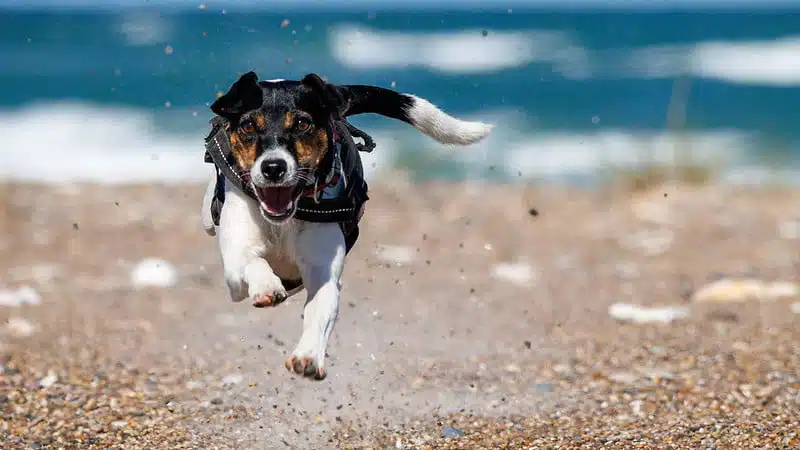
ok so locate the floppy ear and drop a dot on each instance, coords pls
(330, 94)
(244, 95)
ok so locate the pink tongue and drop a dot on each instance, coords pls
(276, 199)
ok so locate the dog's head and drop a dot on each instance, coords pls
(279, 130)
(279, 133)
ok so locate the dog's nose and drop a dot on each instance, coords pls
(274, 169)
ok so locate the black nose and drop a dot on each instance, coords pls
(273, 169)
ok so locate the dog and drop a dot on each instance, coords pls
(283, 139)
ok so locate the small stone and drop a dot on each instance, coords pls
(119, 424)
(730, 290)
(154, 272)
(20, 327)
(516, 273)
(626, 312)
(49, 380)
(25, 295)
(450, 432)
(789, 230)
(652, 243)
(623, 377)
(193, 384)
(399, 255)
(796, 308)
(234, 378)
(216, 401)
(544, 388)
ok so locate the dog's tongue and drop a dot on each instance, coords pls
(276, 200)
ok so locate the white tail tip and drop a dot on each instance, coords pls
(432, 121)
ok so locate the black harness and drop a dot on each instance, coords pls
(337, 195)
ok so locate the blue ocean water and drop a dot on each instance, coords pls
(569, 92)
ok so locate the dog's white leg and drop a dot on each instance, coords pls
(243, 245)
(320, 253)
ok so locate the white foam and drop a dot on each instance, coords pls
(141, 29)
(640, 314)
(774, 62)
(73, 142)
(154, 272)
(464, 51)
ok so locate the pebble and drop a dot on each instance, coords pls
(234, 378)
(397, 254)
(789, 230)
(796, 308)
(640, 314)
(652, 243)
(25, 295)
(154, 272)
(515, 273)
(20, 327)
(41, 274)
(544, 388)
(49, 380)
(730, 290)
(450, 432)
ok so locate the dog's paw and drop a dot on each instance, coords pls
(267, 290)
(307, 367)
(307, 359)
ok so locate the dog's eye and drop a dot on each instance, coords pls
(302, 125)
(248, 127)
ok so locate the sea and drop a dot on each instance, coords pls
(122, 95)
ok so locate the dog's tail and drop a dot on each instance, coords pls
(418, 112)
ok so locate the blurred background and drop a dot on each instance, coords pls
(118, 91)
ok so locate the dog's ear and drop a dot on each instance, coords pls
(244, 95)
(331, 95)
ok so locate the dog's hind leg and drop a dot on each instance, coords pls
(320, 253)
(243, 246)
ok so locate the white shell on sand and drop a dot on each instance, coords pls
(154, 272)
(19, 327)
(396, 254)
(516, 273)
(25, 295)
(740, 290)
(627, 312)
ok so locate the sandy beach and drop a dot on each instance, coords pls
(473, 316)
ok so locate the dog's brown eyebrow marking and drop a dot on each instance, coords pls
(260, 120)
(244, 151)
(288, 120)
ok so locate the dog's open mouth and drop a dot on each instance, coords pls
(278, 202)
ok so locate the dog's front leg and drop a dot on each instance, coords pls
(320, 252)
(243, 245)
